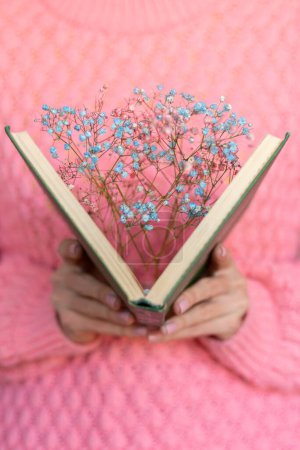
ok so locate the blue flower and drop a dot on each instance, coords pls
(119, 149)
(187, 97)
(77, 127)
(67, 146)
(119, 167)
(82, 137)
(193, 173)
(96, 148)
(159, 105)
(53, 152)
(134, 156)
(106, 145)
(242, 121)
(150, 206)
(200, 107)
(148, 227)
(179, 188)
(185, 112)
(119, 132)
(197, 159)
(45, 107)
(154, 216)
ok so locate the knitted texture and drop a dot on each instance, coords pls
(117, 393)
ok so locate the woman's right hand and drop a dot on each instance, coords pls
(84, 305)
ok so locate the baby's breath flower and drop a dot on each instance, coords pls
(178, 139)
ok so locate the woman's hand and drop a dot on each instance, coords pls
(86, 306)
(213, 306)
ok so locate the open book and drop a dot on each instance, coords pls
(190, 260)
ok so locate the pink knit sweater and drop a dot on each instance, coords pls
(121, 393)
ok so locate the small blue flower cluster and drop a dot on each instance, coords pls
(145, 212)
(229, 150)
(159, 135)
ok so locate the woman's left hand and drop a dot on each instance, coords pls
(214, 306)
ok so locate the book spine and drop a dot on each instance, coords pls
(145, 316)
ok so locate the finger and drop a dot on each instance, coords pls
(70, 250)
(76, 322)
(224, 326)
(93, 309)
(86, 285)
(204, 312)
(221, 258)
(74, 254)
(203, 289)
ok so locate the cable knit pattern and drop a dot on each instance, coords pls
(117, 393)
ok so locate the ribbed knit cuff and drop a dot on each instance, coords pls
(249, 352)
(28, 324)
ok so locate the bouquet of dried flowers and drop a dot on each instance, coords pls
(149, 170)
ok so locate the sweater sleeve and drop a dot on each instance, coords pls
(266, 349)
(31, 340)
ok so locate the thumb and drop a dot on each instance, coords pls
(70, 250)
(221, 258)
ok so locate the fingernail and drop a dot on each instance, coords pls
(140, 331)
(182, 305)
(169, 327)
(154, 337)
(75, 249)
(221, 251)
(112, 300)
(125, 316)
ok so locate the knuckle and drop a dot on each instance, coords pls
(240, 282)
(205, 283)
(225, 283)
(181, 322)
(231, 328)
(191, 297)
(67, 319)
